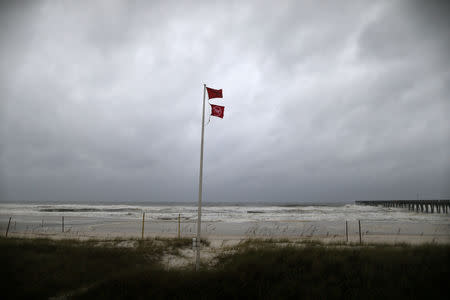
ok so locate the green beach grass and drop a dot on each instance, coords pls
(264, 269)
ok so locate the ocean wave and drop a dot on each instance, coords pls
(90, 210)
(230, 214)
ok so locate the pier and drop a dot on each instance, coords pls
(424, 206)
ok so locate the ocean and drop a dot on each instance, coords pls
(224, 220)
(224, 212)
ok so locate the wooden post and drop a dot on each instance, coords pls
(7, 228)
(359, 225)
(62, 227)
(346, 231)
(143, 222)
(179, 225)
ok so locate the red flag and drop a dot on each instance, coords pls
(217, 110)
(212, 93)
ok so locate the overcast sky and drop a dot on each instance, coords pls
(324, 100)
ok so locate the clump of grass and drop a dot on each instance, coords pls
(173, 246)
(205, 242)
(274, 243)
(258, 242)
(311, 242)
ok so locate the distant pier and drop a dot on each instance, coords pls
(425, 206)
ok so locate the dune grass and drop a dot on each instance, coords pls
(44, 267)
(253, 269)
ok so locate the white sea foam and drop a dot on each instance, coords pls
(228, 214)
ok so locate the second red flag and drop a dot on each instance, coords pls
(217, 110)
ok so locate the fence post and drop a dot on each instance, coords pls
(7, 228)
(359, 225)
(179, 221)
(62, 224)
(143, 222)
(346, 231)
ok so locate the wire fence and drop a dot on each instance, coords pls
(359, 231)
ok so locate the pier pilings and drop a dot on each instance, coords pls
(423, 206)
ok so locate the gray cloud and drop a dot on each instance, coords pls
(325, 101)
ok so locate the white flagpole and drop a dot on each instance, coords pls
(200, 183)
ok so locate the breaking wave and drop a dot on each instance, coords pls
(223, 213)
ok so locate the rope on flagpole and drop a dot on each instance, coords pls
(209, 117)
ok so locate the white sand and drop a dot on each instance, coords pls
(223, 233)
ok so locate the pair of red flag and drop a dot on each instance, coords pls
(216, 110)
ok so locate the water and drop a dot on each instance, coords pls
(226, 213)
(225, 221)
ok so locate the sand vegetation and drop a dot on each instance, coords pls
(269, 269)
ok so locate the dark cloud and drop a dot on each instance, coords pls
(324, 101)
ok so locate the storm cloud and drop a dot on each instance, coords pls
(324, 100)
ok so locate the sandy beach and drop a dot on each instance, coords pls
(220, 232)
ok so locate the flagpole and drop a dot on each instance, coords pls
(200, 184)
